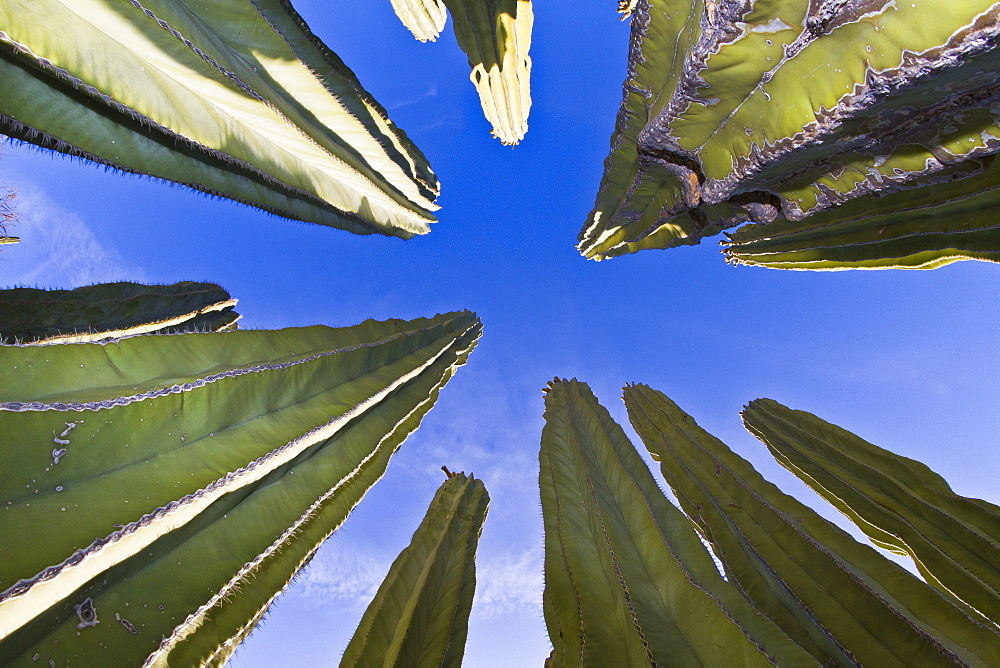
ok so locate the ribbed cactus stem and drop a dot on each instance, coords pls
(420, 614)
(182, 480)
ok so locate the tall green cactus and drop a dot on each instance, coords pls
(627, 581)
(420, 614)
(159, 492)
(112, 310)
(776, 112)
(237, 99)
(838, 598)
(496, 37)
(900, 503)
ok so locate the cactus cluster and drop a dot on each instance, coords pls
(797, 591)
(851, 134)
(236, 99)
(160, 491)
(496, 37)
(113, 310)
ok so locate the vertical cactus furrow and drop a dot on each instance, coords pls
(424, 18)
(496, 37)
(627, 579)
(420, 614)
(236, 99)
(787, 111)
(112, 310)
(820, 585)
(194, 450)
(900, 503)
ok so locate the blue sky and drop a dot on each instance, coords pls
(907, 360)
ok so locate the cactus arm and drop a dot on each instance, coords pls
(899, 502)
(920, 228)
(627, 580)
(424, 18)
(9, 240)
(181, 97)
(112, 310)
(496, 37)
(143, 441)
(796, 566)
(661, 36)
(420, 614)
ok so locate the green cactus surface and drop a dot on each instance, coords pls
(839, 599)
(899, 503)
(112, 310)
(424, 18)
(420, 614)
(9, 240)
(237, 99)
(496, 37)
(160, 491)
(627, 580)
(778, 112)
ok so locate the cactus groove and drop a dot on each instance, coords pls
(183, 480)
(424, 18)
(236, 99)
(627, 581)
(788, 113)
(815, 581)
(420, 614)
(901, 504)
(112, 310)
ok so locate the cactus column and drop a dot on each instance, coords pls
(420, 614)
(159, 492)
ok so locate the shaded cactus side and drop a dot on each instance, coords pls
(420, 614)
(899, 503)
(223, 461)
(627, 581)
(113, 310)
(789, 111)
(815, 581)
(277, 122)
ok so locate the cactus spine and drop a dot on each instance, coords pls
(420, 614)
(112, 310)
(779, 113)
(237, 99)
(840, 599)
(901, 504)
(627, 581)
(182, 480)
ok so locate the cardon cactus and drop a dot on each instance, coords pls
(496, 37)
(780, 113)
(237, 99)
(839, 599)
(112, 310)
(627, 581)
(420, 614)
(901, 504)
(159, 492)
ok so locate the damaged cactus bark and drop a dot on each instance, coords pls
(807, 117)
(113, 310)
(236, 99)
(161, 491)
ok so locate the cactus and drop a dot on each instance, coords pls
(160, 491)
(112, 310)
(901, 504)
(627, 581)
(420, 614)
(838, 598)
(496, 37)
(236, 99)
(779, 112)
(424, 18)
(9, 240)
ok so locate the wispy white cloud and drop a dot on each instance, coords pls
(509, 584)
(57, 248)
(430, 92)
(344, 573)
